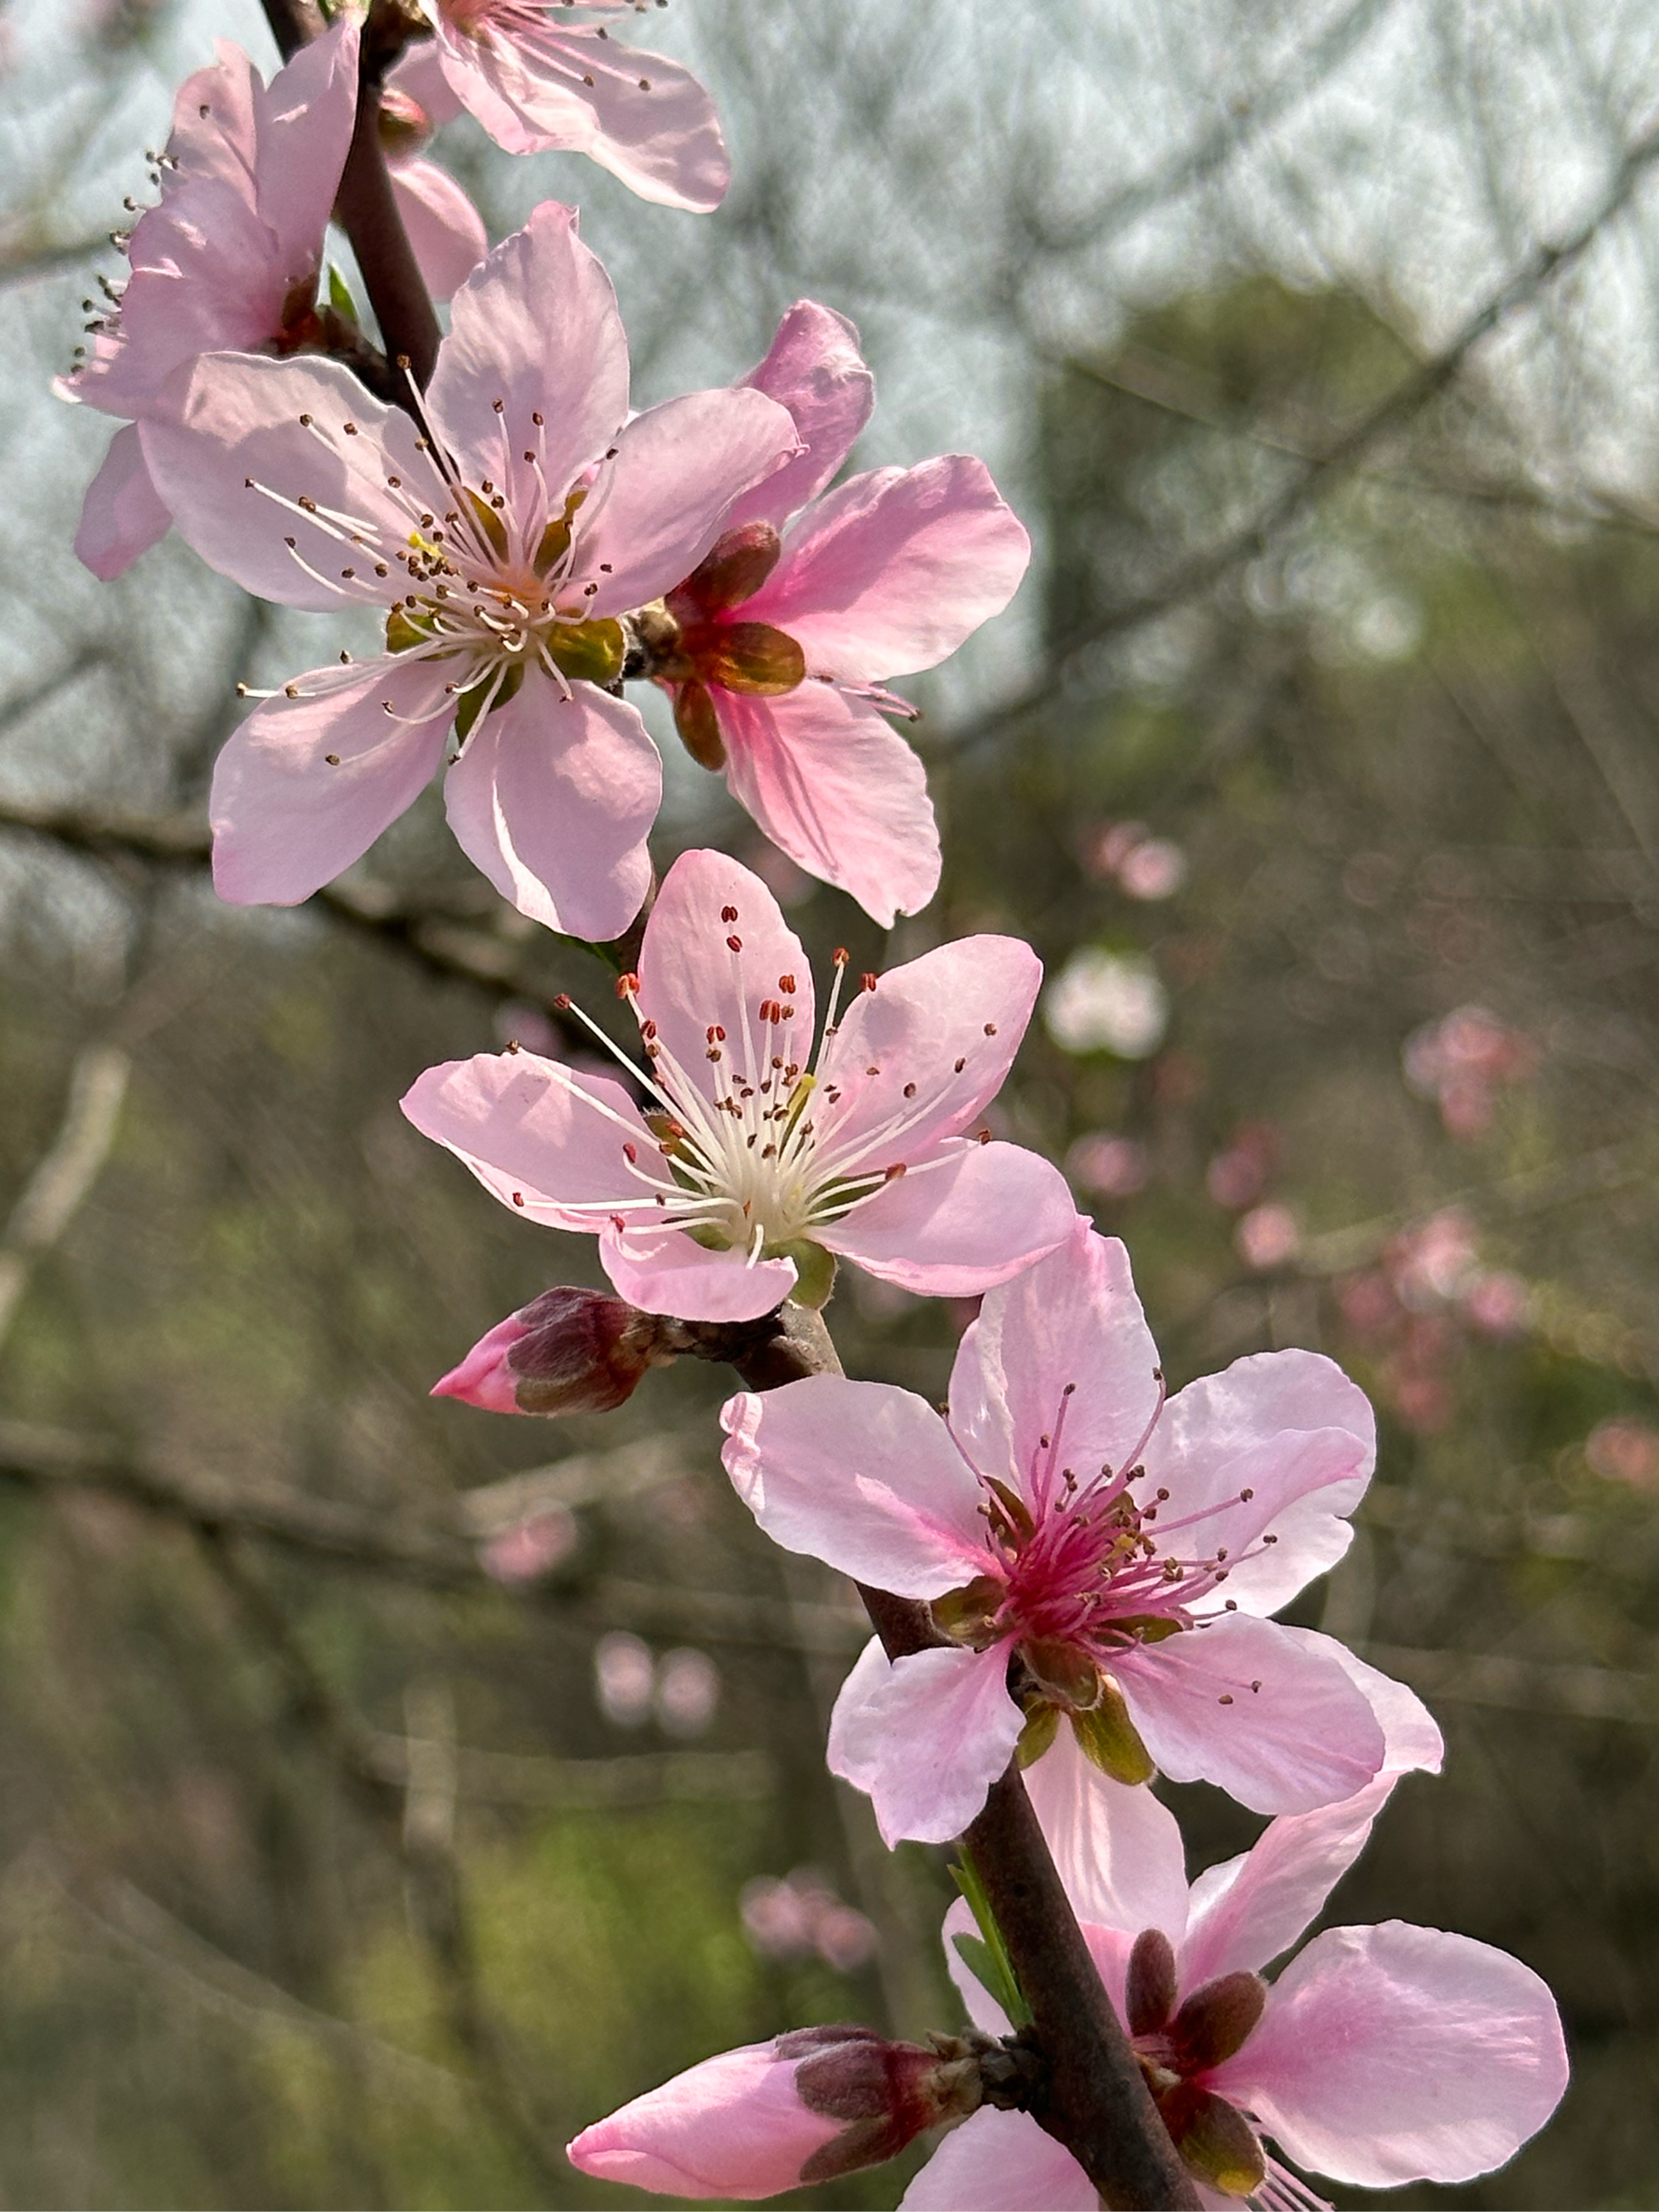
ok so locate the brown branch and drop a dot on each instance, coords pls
(443, 942)
(1096, 2102)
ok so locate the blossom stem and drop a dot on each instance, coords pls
(1095, 2101)
(365, 207)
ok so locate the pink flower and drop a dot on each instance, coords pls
(500, 547)
(807, 2106)
(541, 74)
(754, 1161)
(777, 650)
(1122, 1549)
(229, 259)
(1380, 2056)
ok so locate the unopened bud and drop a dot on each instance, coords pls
(569, 1351)
(738, 564)
(1216, 2141)
(1217, 2020)
(750, 657)
(405, 125)
(807, 2107)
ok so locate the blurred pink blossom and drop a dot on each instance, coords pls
(531, 1550)
(1266, 1237)
(688, 1692)
(1462, 1062)
(1625, 1451)
(624, 1678)
(801, 1915)
(1497, 1302)
(1145, 866)
(1238, 1174)
(1112, 1167)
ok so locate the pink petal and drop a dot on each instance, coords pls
(1000, 2163)
(836, 788)
(419, 71)
(1411, 1739)
(1395, 2054)
(286, 818)
(543, 1140)
(661, 504)
(445, 229)
(536, 327)
(552, 797)
(122, 514)
(205, 277)
(967, 1001)
(692, 981)
(303, 125)
(894, 570)
(1072, 1319)
(1307, 1737)
(568, 90)
(215, 121)
(925, 1737)
(862, 1475)
(667, 1272)
(1118, 1849)
(954, 1230)
(1246, 1912)
(231, 416)
(665, 144)
(815, 369)
(734, 2126)
(1288, 1426)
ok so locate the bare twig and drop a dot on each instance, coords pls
(1311, 476)
(54, 1193)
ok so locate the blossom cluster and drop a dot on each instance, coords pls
(1100, 1559)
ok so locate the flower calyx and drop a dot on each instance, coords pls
(888, 2094)
(688, 641)
(1178, 2044)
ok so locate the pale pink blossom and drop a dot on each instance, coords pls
(1122, 1548)
(779, 649)
(754, 1160)
(808, 2106)
(1267, 1235)
(1379, 2056)
(500, 546)
(1462, 1062)
(543, 75)
(228, 261)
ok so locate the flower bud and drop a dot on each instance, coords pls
(807, 2106)
(733, 571)
(569, 1351)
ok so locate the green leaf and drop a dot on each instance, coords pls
(339, 295)
(986, 1955)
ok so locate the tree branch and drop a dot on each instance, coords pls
(1096, 2102)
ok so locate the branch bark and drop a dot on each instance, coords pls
(1095, 2103)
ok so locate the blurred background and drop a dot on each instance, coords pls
(388, 1788)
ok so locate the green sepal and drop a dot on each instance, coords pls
(470, 704)
(1107, 1735)
(986, 1955)
(339, 295)
(403, 629)
(589, 651)
(1041, 1726)
(815, 1270)
(488, 521)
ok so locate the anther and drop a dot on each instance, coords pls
(990, 1029)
